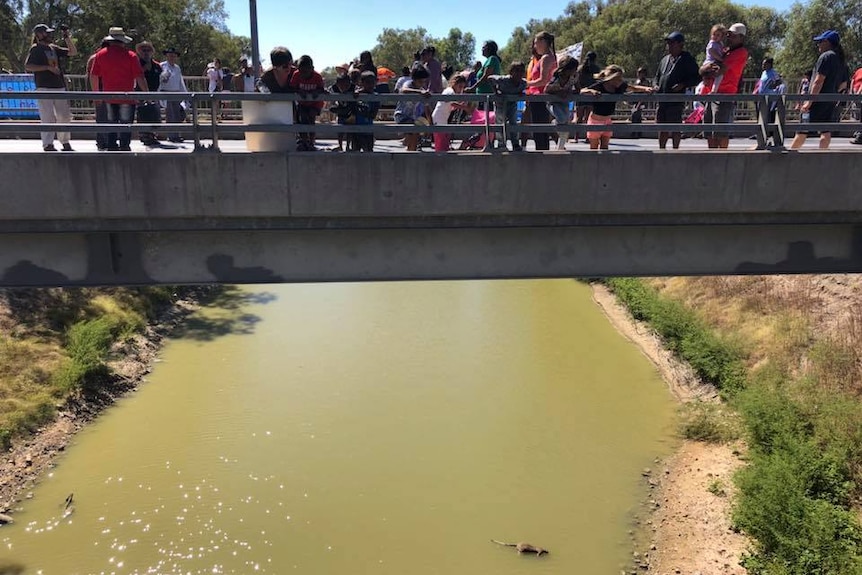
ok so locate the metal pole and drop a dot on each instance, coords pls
(255, 51)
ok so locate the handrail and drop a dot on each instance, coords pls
(762, 127)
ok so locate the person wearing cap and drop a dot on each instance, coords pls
(830, 76)
(730, 72)
(46, 61)
(171, 80)
(117, 69)
(677, 72)
(243, 81)
(149, 112)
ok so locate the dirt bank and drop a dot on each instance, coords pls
(693, 489)
(29, 458)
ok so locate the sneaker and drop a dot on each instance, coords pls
(67, 147)
(857, 139)
(50, 148)
(176, 140)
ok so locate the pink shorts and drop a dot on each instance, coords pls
(596, 120)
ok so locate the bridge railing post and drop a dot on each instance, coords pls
(762, 106)
(215, 104)
(780, 121)
(196, 125)
(489, 145)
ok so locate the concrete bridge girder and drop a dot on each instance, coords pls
(89, 219)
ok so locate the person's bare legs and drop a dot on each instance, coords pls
(412, 142)
(594, 143)
(798, 140)
(825, 139)
(605, 143)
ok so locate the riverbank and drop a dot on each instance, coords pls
(689, 526)
(31, 456)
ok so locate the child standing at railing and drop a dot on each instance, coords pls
(608, 81)
(563, 84)
(306, 82)
(512, 84)
(442, 110)
(366, 111)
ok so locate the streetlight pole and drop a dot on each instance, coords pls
(255, 51)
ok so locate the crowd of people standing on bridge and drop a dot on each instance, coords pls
(116, 68)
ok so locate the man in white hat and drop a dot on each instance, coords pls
(117, 69)
(45, 62)
(730, 70)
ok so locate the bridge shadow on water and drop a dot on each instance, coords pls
(224, 313)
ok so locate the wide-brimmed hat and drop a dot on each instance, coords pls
(611, 72)
(42, 28)
(117, 34)
(171, 51)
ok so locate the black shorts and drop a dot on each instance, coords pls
(669, 113)
(820, 113)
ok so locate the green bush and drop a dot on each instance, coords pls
(713, 359)
(88, 344)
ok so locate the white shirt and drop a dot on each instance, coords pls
(441, 112)
(214, 75)
(171, 78)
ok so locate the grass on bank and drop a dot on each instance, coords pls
(797, 398)
(60, 345)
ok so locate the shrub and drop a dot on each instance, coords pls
(713, 359)
(708, 422)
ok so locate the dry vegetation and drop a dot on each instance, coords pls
(795, 400)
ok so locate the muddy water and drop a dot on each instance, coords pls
(365, 428)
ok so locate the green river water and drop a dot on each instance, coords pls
(387, 428)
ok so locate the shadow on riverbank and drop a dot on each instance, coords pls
(223, 314)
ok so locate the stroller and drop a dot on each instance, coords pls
(476, 141)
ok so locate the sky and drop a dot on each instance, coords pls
(336, 31)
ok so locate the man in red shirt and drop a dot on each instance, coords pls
(856, 88)
(735, 58)
(117, 69)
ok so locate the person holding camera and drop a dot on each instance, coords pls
(46, 61)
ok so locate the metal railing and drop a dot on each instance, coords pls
(763, 127)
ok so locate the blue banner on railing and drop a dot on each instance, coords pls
(16, 108)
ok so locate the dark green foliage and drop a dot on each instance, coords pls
(713, 359)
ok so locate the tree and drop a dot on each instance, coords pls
(396, 48)
(457, 49)
(195, 27)
(631, 33)
(798, 52)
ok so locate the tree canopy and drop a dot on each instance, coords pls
(798, 52)
(395, 47)
(194, 27)
(631, 33)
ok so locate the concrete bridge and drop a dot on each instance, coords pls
(88, 219)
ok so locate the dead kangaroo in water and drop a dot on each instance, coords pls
(523, 547)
